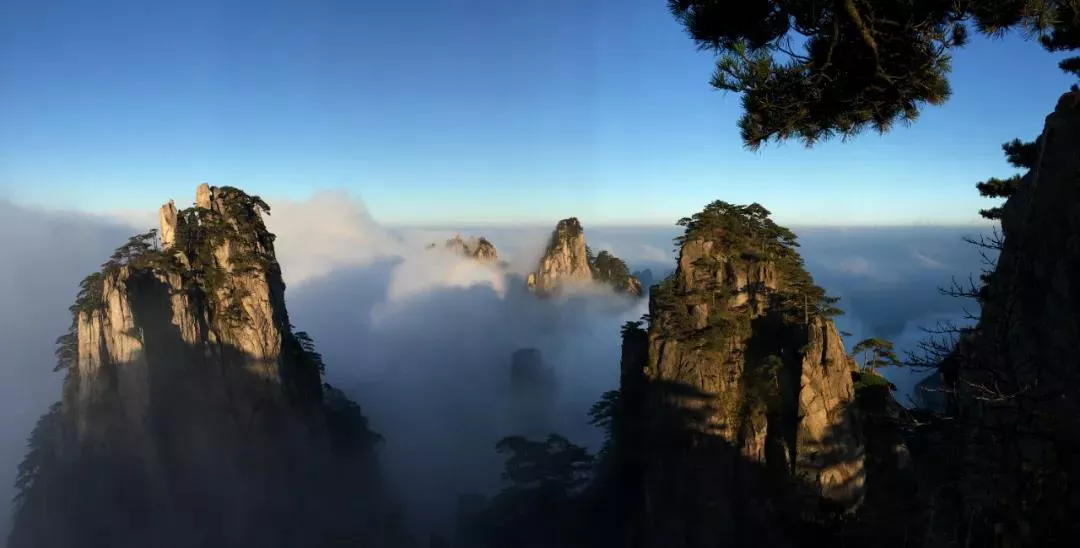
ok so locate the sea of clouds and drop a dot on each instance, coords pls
(422, 338)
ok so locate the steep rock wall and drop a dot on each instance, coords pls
(191, 414)
(1014, 381)
(567, 259)
(745, 392)
(564, 260)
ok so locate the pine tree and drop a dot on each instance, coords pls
(814, 69)
(875, 353)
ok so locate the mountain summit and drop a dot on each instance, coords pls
(567, 259)
(191, 413)
(477, 248)
(739, 393)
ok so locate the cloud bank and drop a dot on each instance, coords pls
(423, 339)
(43, 255)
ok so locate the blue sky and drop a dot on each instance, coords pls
(448, 111)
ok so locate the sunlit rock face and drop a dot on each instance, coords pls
(564, 260)
(743, 390)
(191, 413)
(567, 261)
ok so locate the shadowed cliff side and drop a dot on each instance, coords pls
(740, 337)
(191, 413)
(558, 495)
(1014, 381)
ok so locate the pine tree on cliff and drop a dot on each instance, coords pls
(810, 70)
(875, 352)
(109, 465)
(861, 64)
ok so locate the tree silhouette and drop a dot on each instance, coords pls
(875, 353)
(814, 69)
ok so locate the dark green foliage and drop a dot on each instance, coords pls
(868, 381)
(609, 269)
(67, 349)
(553, 464)
(540, 506)
(811, 69)
(762, 383)
(140, 251)
(201, 231)
(346, 424)
(603, 415)
(998, 188)
(1020, 155)
(309, 354)
(742, 235)
(875, 353)
(90, 298)
(91, 294)
(632, 327)
(736, 227)
(42, 450)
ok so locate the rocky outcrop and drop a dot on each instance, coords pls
(564, 260)
(167, 219)
(610, 270)
(744, 390)
(1014, 380)
(568, 260)
(476, 248)
(191, 413)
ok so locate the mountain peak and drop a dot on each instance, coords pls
(565, 259)
(187, 386)
(740, 339)
(477, 248)
(568, 259)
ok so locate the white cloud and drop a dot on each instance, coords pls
(329, 230)
(421, 338)
(43, 255)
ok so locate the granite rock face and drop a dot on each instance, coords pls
(1015, 380)
(476, 248)
(565, 259)
(191, 414)
(744, 391)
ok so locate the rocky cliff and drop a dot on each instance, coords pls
(564, 259)
(567, 259)
(743, 390)
(476, 248)
(191, 413)
(1015, 378)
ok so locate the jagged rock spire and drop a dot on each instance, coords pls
(565, 259)
(741, 382)
(167, 222)
(190, 409)
(477, 248)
